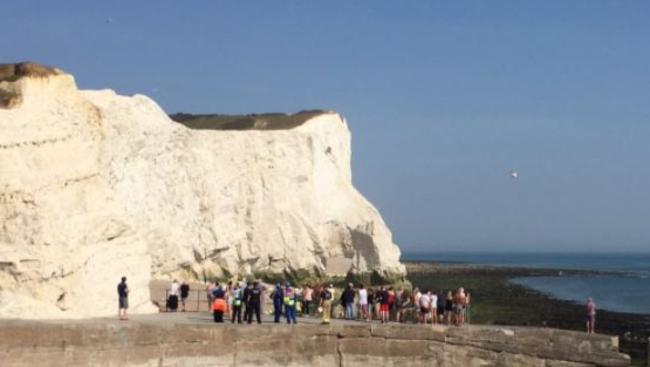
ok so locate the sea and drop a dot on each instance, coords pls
(626, 290)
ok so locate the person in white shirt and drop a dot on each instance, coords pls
(433, 298)
(175, 288)
(416, 301)
(425, 305)
(172, 301)
(363, 302)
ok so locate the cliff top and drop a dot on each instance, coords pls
(266, 121)
(9, 95)
(14, 71)
(11, 72)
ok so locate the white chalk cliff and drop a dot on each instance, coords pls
(94, 185)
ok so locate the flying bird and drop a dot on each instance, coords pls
(514, 174)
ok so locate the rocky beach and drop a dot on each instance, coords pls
(497, 301)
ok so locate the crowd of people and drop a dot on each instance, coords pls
(358, 303)
(244, 301)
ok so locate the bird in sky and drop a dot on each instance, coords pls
(514, 174)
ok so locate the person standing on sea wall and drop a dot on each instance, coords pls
(226, 291)
(449, 307)
(347, 300)
(384, 304)
(246, 295)
(391, 302)
(433, 301)
(290, 304)
(468, 306)
(459, 306)
(326, 303)
(440, 307)
(208, 290)
(185, 292)
(591, 316)
(307, 298)
(403, 302)
(172, 300)
(374, 296)
(371, 304)
(219, 306)
(416, 301)
(425, 304)
(235, 297)
(253, 304)
(363, 302)
(123, 299)
(278, 299)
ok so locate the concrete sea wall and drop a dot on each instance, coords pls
(88, 343)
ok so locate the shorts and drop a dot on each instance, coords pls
(591, 318)
(383, 307)
(123, 302)
(364, 307)
(424, 309)
(459, 309)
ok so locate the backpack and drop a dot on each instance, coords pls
(219, 304)
(327, 294)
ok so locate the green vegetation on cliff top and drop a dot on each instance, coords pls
(267, 121)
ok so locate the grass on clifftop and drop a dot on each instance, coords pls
(267, 121)
(13, 72)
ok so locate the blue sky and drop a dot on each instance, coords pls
(443, 99)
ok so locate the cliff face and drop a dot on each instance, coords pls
(95, 186)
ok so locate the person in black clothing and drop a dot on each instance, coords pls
(371, 304)
(123, 299)
(246, 295)
(440, 309)
(278, 300)
(347, 299)
(185, 292)
(449, 307)
(254, 299)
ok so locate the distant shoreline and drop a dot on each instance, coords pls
(515, 271)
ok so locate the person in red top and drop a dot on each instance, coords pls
(383, 304)
(591, 316)
(391, 301)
